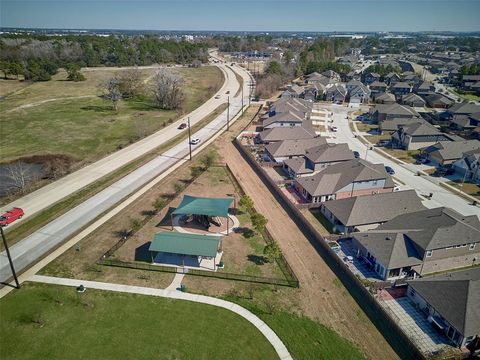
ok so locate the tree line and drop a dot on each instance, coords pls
(37, 57)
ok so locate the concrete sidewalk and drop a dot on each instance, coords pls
(259, 324)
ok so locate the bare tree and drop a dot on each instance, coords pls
(168, 90)
(111, 91)
(20, 175)
(130, 83)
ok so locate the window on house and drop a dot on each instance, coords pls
(464, 245)
(429, 253)
(472, 246)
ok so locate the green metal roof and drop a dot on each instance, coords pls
(204, 206)
(185, 244)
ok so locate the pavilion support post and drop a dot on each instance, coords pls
(171, 220)
(228, 227)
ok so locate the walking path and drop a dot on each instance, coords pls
(176, 282)
(277, 344)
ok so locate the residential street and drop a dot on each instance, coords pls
(30, 249)
(55, 191)
(404, 173)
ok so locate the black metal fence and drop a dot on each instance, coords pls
(399, 341)
(211, 274)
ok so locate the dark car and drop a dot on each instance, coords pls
(389, 170)
(356, 154)
(182, 126)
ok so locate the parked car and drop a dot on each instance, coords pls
(421, 160)
(389, 170)
(444, 171)
(356, 154)
(333, 128)
(11, 216)
(182, 126)
(195, 141)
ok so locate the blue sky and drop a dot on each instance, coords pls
(261, 15)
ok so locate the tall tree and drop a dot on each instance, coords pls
(168, 90)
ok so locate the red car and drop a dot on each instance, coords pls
(11, 216)
(182, 126)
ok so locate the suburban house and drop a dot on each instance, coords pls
(371, 78)
(411, 78)
(413, 100)
(345, 179)
(377, 87)
(463, 108)
(418, 135)
(447, 152)
(424, 88)
(451, 302)
(332, 75)
(316, 78)
(392, 78)
(359, 94)
(470, 82)
(391, 125)
(288, 149)
(390, 111)
(438, 101)
(419, 243)
(367, 212)
(313, 92)
(400, 88)
(300, 106)
(469, 166)
(465, 122)
(352, 84)
(336, 93)
(292, 91)
(318, 158)
(284, 119)
(384, 98)
(286, 133)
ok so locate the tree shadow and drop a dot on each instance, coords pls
(148, 212)
(142, 253)
(257, 260)
(166, 220)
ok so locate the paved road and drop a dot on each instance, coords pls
(266, 331)
(33, 247)
(404, 173)
(55, 191)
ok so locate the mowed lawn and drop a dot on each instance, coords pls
(54, 322)
(88, 128)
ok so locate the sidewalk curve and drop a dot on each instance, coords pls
(277, 344)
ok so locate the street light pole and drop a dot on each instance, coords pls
(228, 113)
(7, 250)
(189, 138)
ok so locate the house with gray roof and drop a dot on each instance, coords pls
(424, 88)
(288, 149)
(367, 212)
(318, 158)
(468, 166)
(420, 243)
(438, 101)
(345, 179)
(390, 111)
(446, 153)
(413, 100)
(400, 88)
(292, 91)
(285, 119)
(377, 87)
(286, 133)
(332, 75)
(451, 302)
(384, 98)
(371, 78)
(418, 135)
(336, 93)
(392, 78)
(391, 125)
(463, 108)
(359, 94)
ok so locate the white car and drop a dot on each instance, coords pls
(195, 141)
(333, 128)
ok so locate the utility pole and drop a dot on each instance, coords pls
(228, 113)
(189, 138)
(7, 250)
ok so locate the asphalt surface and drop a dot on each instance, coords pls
(33, 247)
(406, 174)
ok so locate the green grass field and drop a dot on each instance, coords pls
(87, 128)
(304, 338)
(54, 322)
